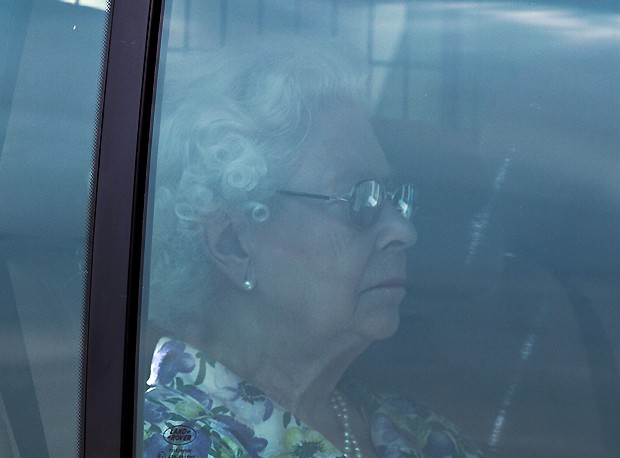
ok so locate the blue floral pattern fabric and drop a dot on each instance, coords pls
(196, 408)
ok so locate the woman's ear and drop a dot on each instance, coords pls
(225, 248)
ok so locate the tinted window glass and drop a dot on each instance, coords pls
(52, 55)
(276, 282)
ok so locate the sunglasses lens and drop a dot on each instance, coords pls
(404, 200)
(366, 201)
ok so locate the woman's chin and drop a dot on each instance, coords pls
(379, 312)
(388, 329)
(381, 323)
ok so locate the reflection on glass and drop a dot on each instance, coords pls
(50, 64)
(503, 115)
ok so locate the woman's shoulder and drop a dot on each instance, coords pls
(176, 424)
(402, 426)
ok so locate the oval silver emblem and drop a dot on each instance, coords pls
(179, 435)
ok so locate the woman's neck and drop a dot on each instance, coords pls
(301, 382)
(298, 371)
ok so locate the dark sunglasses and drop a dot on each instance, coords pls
(366, 201)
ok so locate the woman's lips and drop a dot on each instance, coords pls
(389, 283)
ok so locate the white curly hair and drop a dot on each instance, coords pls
(228, 139)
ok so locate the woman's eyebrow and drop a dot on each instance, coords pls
(340, 183)
(384, 177)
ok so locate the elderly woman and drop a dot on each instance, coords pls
(278, 256)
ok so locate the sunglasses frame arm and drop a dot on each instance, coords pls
(346, 198)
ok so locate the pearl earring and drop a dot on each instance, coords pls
(250, 282)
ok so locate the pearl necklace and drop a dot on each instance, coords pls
(351, 448)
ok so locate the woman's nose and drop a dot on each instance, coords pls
(395, 231)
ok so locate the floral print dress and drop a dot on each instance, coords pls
(196, 408)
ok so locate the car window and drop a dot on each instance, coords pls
(383, 228)
(51, 56)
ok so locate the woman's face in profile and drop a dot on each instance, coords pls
(319, 273)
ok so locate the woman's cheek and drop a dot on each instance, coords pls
(336, 243)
